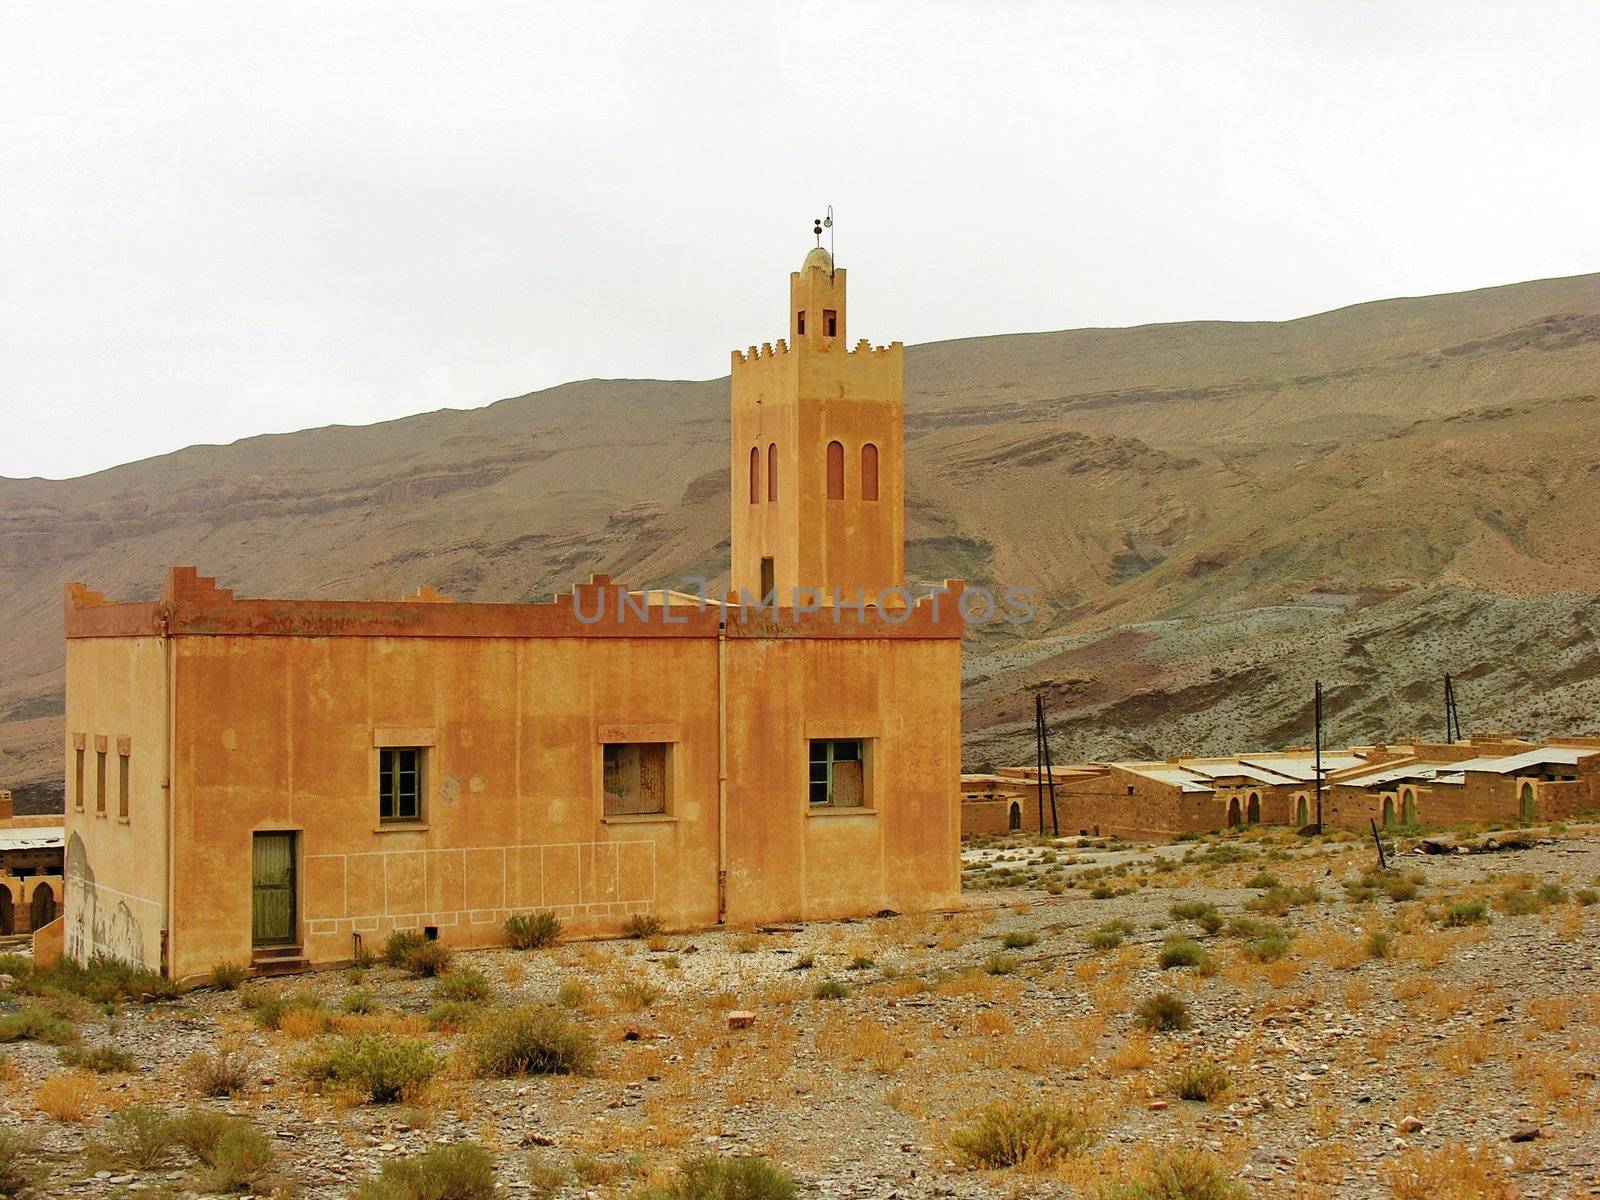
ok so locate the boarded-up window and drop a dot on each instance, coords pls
(838, 775)
(755, 475)
(400, 783)
(869, 472)
(835, 470)
(122, 786)
(635, 778)
(77, 776)
(772, 471)
(830, 322)
(100, 782)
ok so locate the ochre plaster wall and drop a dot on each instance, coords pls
(116, 885)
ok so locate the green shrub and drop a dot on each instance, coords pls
(574, 993)
(1211, 922)
(1380, 944)
(385, 1070)
(1276, 901)
(1177, 1175)
(1198, 1080)
(1248, 928)
(1264, 881)
(1191, 910)
(546, 1177)
(642, 925)
(454, 1015)
(1586, 896)
(1399, 888)
(1001, 963)
(636, 995)
(102, 1060)
(1162, 1013)
(1551, 893)
(1182, 952)
(430, 959)
(1466, 912)
(464, 983)
(359, 1001)
(1270, 948)
(743, 1177)
(529, 1040)
(228, 976)
(18, 1173)
(1019, 939)
(269, 1007)
(1105, 938)
(140, 1138)
(102, 980)
(462, 1171)
(862, 962)
(1358, 891)
(34, 1024)
(398, 946)
(1519, 902)
(234, 1155)
(1027, 1135)
(830, 989)
(533, 931)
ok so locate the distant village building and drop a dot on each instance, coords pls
(1491, 777)
(287, 781)
(30, 869)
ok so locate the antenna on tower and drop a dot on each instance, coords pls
(818, 224)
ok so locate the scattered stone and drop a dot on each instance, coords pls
(1409, 1125)
(740, 1019)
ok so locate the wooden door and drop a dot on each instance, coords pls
(272, 899)
(44, 906)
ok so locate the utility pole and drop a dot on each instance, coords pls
(1452, 719)
(1046, 770)
(1317, 708)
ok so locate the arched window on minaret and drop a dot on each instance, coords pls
(869, 472)
(835, 470)
(772, 471)
(755, 474)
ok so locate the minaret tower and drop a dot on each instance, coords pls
(818, 453)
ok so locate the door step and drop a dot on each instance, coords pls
(279, 960)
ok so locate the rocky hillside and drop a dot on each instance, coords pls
(1209, 514)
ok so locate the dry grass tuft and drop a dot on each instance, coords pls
(1452, 1172)
(70, 1096)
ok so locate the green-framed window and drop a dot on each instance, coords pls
(400, 783)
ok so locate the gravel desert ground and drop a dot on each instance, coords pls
(1433, 1030)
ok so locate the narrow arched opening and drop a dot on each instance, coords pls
(835, 470)
(44, 905)
(869, 472)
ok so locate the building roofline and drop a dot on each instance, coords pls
(193, 605)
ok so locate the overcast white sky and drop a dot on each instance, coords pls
(220, 219)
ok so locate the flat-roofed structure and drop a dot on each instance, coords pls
(1491, 777)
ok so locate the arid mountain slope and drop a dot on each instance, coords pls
(1209, 514)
